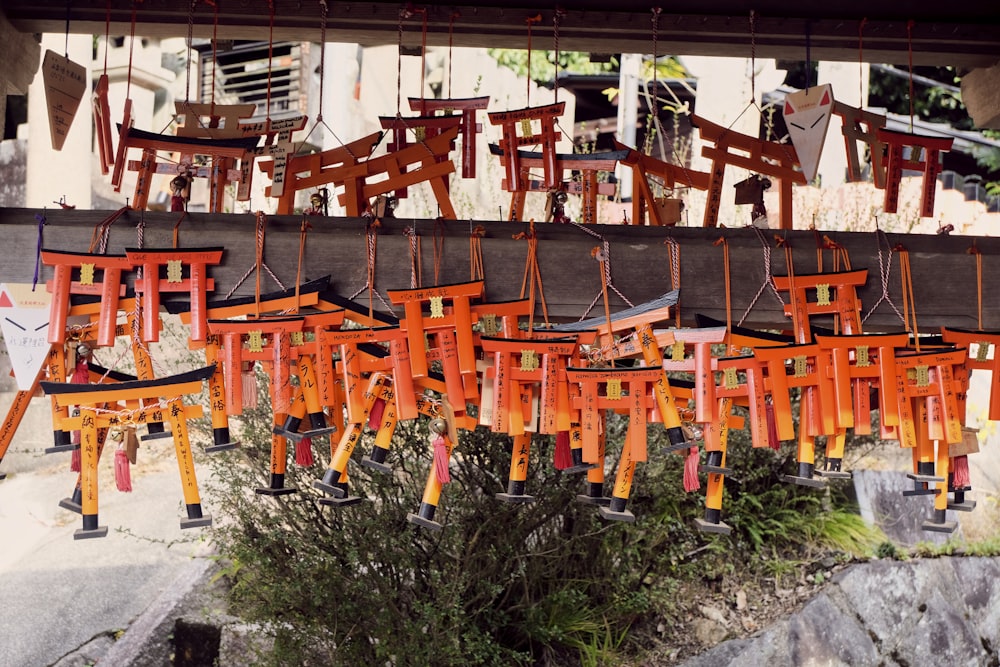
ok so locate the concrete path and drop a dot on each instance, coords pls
(57, 593)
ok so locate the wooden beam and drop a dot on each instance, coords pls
(962, 35)
(944, 274)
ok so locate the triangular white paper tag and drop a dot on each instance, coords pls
(24, 318)
(807, 116)
(65, 83)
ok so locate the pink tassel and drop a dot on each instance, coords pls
(375, 416)
(74, 460)
(691, 481)
(961, 477)
(249, 387)
(563, 454)
(123, 473)
(441, 460)
(304, 452)
(772, 428)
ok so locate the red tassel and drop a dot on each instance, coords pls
(304, 452)
(961, 477)
(375, 416)
(81, 372)
(772, 428)
(691, 481)
(123, 474)
(441, 460)
(74, 460)
(563, 454)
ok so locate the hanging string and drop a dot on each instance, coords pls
(537, 18)
(107, 33)
(177, 226)
(270, 57)
(258, 263)
(423, 58)
(861, 63)
(909, 51)
(438, 238)
(371, 255)
(131, 50)
(655, 20)
(721, 241)
(808, 54)
(605, 265)
(40, 217)
(404, 13)
(674, 253)
(884, 269)
(190, 39)
(416, 279)
(324, 19)
(451, 27)
(603, 260)
(532, 276)
(69, 4)
(973, 250)
(556, 19)
(476, 271)
(768, 278)
(753, 56)
(99, 238)
(909, 305)
(303, 230)
(215, 49)
(782, 242)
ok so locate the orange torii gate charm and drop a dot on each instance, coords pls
(518, 365)
(457, 318)
(433, 166)
(588, 165)
(924, 156)
(671, 175)
(316, 170)
(470, 128)
(110, 289)
(279, 150)
(765, 157)
(836, 294)
(152, 284)
(627, 390)
(423, 128)
(983, 340)
(817, 413)
(91, 419)
(546, 138)
(927, 391)
(862, 126)
(721, 420)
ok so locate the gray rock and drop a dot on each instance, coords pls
(822, 634)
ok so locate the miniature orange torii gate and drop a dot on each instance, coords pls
(929, 416)
(110, 289)
(434, 167)
(862, 126)
(91, 419)
(983, 340)
(231, 308)
(587, 164)
(924, 156)
(545, 138)
(624, 390)
(152, 284)
(836, 294)
(470, 128)
(150, 143)
(316, 170)
(764, 157)
(673, 176)
(423, 128)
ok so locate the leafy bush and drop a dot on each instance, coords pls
(542, 583)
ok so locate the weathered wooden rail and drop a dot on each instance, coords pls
(944, 273)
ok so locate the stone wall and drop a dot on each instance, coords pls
(943, 611)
